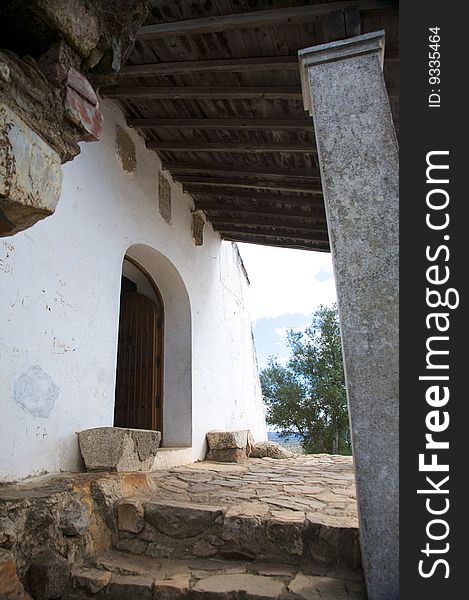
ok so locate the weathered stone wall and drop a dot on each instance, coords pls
(71, 518)
(47, 103)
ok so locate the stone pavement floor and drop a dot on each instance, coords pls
(297, 517)
(318, 485)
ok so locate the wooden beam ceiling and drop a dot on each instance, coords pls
(294, 242)
(236, 147)
(223, 76)
(179, 92)
(272, 221)
(303, 233)
(213, 209)
(227, 65)
(242, 195)
(188, 181)
(249, 20)
(246, 124)
(243, 170)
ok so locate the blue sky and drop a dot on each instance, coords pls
(286, 288)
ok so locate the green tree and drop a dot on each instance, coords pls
(307, 396)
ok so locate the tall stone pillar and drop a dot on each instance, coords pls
(344, 91)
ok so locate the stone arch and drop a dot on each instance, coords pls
(177, 344)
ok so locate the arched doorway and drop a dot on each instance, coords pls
(139, 377)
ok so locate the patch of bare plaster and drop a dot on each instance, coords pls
(35, 392)
(125, 148)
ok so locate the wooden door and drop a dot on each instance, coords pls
(138, 364)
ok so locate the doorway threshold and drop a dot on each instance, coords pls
(167, 458)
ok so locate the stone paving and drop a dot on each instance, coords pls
(261, 529)
(319, 485)
(297, 511)
(117, 576)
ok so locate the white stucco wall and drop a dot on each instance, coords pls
(59, 307)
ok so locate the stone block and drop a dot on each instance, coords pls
(125, 150)
(124, 587)
(76, 22)
(230, 455)
(130, 516)
(82, 106)
(270, 450)
(30, 175)
(182, 520)
(175, 588)
(252, 587)
(90, 580)
(49, 574)
(229, 446)
(310, 587)
(119, 449)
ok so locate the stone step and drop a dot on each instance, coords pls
(122, 576)
(163, 528)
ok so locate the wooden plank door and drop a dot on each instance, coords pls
(138, 361)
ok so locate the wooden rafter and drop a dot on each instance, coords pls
(243, 170)
(257, 211)
(222, 222)
(226, 65)
(179, 92)
(249, 20)
(287, 242)
(242, 195)
(188, 181)
(239, 147)
(246, 124)
(277, 231)
(282, 204)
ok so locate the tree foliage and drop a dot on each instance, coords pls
(306, 397)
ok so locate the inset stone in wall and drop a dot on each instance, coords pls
(198, 223)
(125, 149)
(30, 175)
(164, 198)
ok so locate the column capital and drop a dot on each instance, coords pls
(359, 45)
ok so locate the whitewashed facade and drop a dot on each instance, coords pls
(60, 297)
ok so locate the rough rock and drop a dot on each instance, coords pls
(130, 515)
(119, 449)
(230, 455)
(223, 586)
(125, 150)
(30, 174)
(229, 446)
(105, 494)
(75, 519)
(181, 520)
(175, 588)
(310, 587)
(270, 450)
(125, 587)
(10, 586)
(90, 580)
(220, 440)
(79, 26)
(49, 574)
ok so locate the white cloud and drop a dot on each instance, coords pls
(285, 281)
(282, 331)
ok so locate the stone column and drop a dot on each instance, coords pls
(344, 91)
